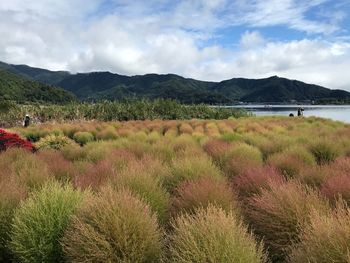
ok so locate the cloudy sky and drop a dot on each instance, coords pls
(307, 40)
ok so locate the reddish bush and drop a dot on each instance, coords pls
(241, 158)
(280, 213)
(253, 180)
(12, 140)
(337, 186)
(217, 149)
(202, 192)
(95, 176)
(60, 168)
(341, 165)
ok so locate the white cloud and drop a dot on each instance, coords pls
(291, 13)
(252, 39)
(133, 38)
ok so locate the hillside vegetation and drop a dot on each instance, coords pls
(22, 90)
(105, 85)
(250, 190)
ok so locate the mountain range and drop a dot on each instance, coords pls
(97, 86)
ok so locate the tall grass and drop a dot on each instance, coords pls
(212, 235)
(113, 227)
(117, 111)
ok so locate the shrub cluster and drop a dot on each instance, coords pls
(238, 190)
(11, 140)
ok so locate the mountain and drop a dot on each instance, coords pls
(105, 85)
(20, 89)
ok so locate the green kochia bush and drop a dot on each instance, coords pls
(190, 168)
(212, 236)
(139, 180)
(83, 137)
(40, 221)
(115, 226)
(325, 152)
(54, 142)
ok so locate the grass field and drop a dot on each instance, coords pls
(241, 190)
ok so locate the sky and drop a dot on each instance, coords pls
(308, 40)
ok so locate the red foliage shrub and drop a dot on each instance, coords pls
(12, 140)
(253, 180)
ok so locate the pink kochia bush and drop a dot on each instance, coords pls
(11, 140)
(203, 192)
(254, 180)
(337, 183)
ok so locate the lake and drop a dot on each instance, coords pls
(334, 112)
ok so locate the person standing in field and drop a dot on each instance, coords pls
(26, 121)
(300, 111)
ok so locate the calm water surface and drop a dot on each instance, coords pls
(334, 112)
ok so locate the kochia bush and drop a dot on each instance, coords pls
(40, 221)
(204, 192)
(279, 214)
(83, 137)
(114, 226)
(212, 235)
(325, 239)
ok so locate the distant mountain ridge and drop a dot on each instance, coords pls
(105, 85)
(23, 90)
